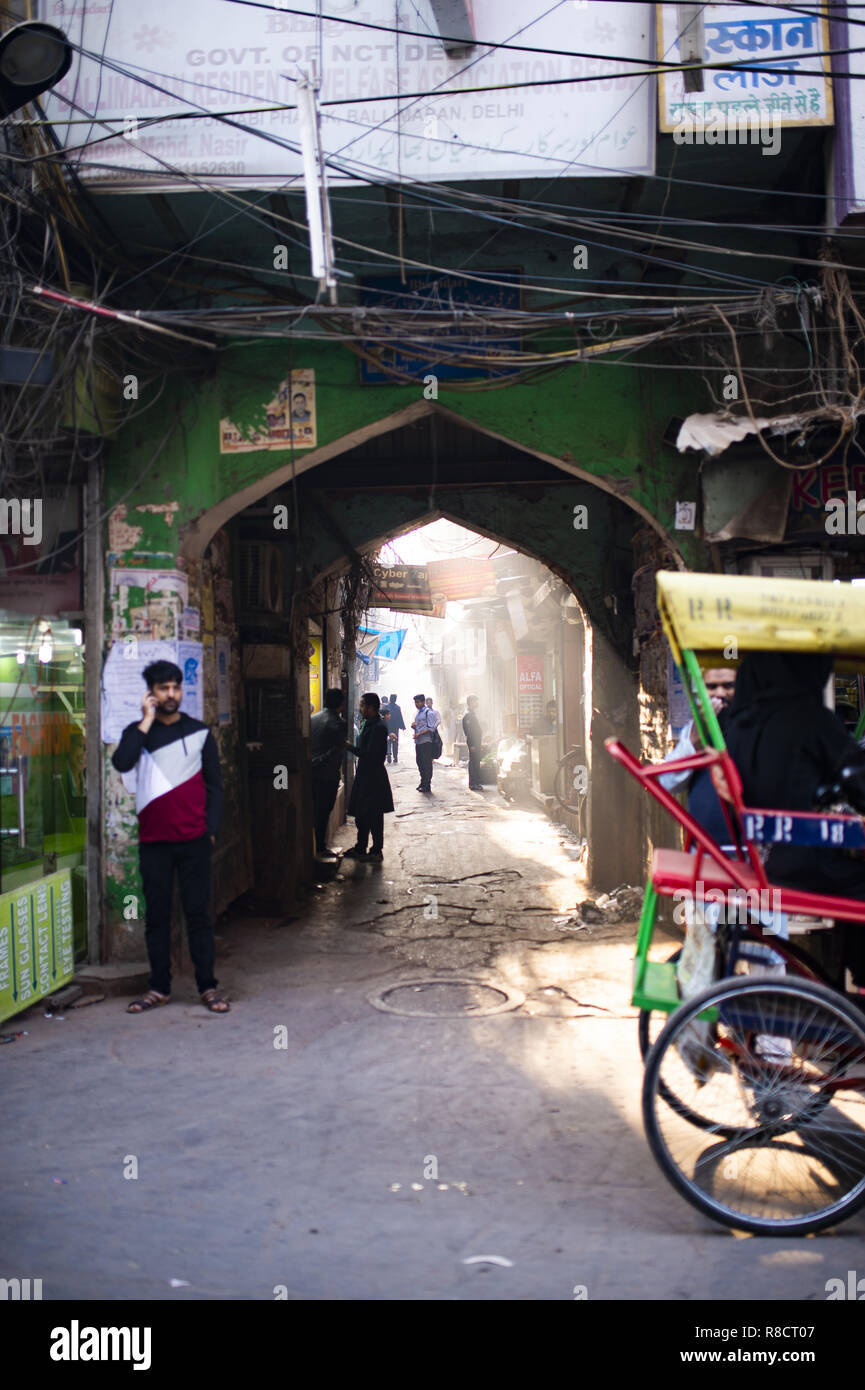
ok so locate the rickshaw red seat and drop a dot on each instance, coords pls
(673, 872)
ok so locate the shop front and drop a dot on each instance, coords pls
(43, 797)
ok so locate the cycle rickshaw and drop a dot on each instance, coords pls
(754, 1089)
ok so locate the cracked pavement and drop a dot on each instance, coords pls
(309, 1142)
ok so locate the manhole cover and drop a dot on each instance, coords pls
(445, 998)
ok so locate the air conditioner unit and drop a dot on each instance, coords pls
(792, 564)
(261, 571)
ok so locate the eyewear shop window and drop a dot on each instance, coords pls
(42, 807)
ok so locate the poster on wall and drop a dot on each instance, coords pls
(124, 687)
(148, 603)
(530, 688)
(223, 679)
(289, 420)
(191, 622)
(190, 659)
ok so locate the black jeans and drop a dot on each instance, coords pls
(372, 823)
(393, 749)
(323, 796)
(423, 753)
(474, 767)
(191, 858)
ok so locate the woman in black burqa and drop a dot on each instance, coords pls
(786, 744)
(371, 795)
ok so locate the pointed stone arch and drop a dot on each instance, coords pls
(197, 535)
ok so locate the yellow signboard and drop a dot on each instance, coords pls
(315, 673)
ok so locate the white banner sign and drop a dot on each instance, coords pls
(763, 38)
(163, 58)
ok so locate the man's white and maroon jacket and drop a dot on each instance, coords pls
(175, 776)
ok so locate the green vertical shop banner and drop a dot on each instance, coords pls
(36, 951)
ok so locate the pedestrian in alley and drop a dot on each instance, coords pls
(548, 722)
(371, 796)
(703, 801)
(473, 736)
(424, 725)
(328, 737)
(433, 711)
(178, 786)
(396, 725)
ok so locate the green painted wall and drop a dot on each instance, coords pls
(607, 420)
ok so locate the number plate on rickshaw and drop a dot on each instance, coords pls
(830, 832)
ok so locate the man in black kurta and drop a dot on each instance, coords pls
(370, 795)
(473, 736)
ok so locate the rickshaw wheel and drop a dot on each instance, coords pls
(788, 1160)
(644, 1034)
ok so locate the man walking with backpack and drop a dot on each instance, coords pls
(425, 725)
(178, 786)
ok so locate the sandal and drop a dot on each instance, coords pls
(150, 1000)
(212, 1000)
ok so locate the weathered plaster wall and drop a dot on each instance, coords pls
(605, 421)
(211, 592)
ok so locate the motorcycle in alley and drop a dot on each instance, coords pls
(514, 775)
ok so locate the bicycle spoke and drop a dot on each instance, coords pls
(791, 1153)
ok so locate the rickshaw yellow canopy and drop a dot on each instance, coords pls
(725, 614)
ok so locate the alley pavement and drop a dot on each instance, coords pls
(428, 1087)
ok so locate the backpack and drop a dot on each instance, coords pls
(437, 745)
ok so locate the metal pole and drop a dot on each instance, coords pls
(94, 636)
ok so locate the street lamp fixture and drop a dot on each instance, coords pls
(33, 57)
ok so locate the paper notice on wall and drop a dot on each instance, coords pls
(223, 682)
(123, 686)
(191, 622)
(190, 659)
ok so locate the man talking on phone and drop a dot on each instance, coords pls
(178, 797)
